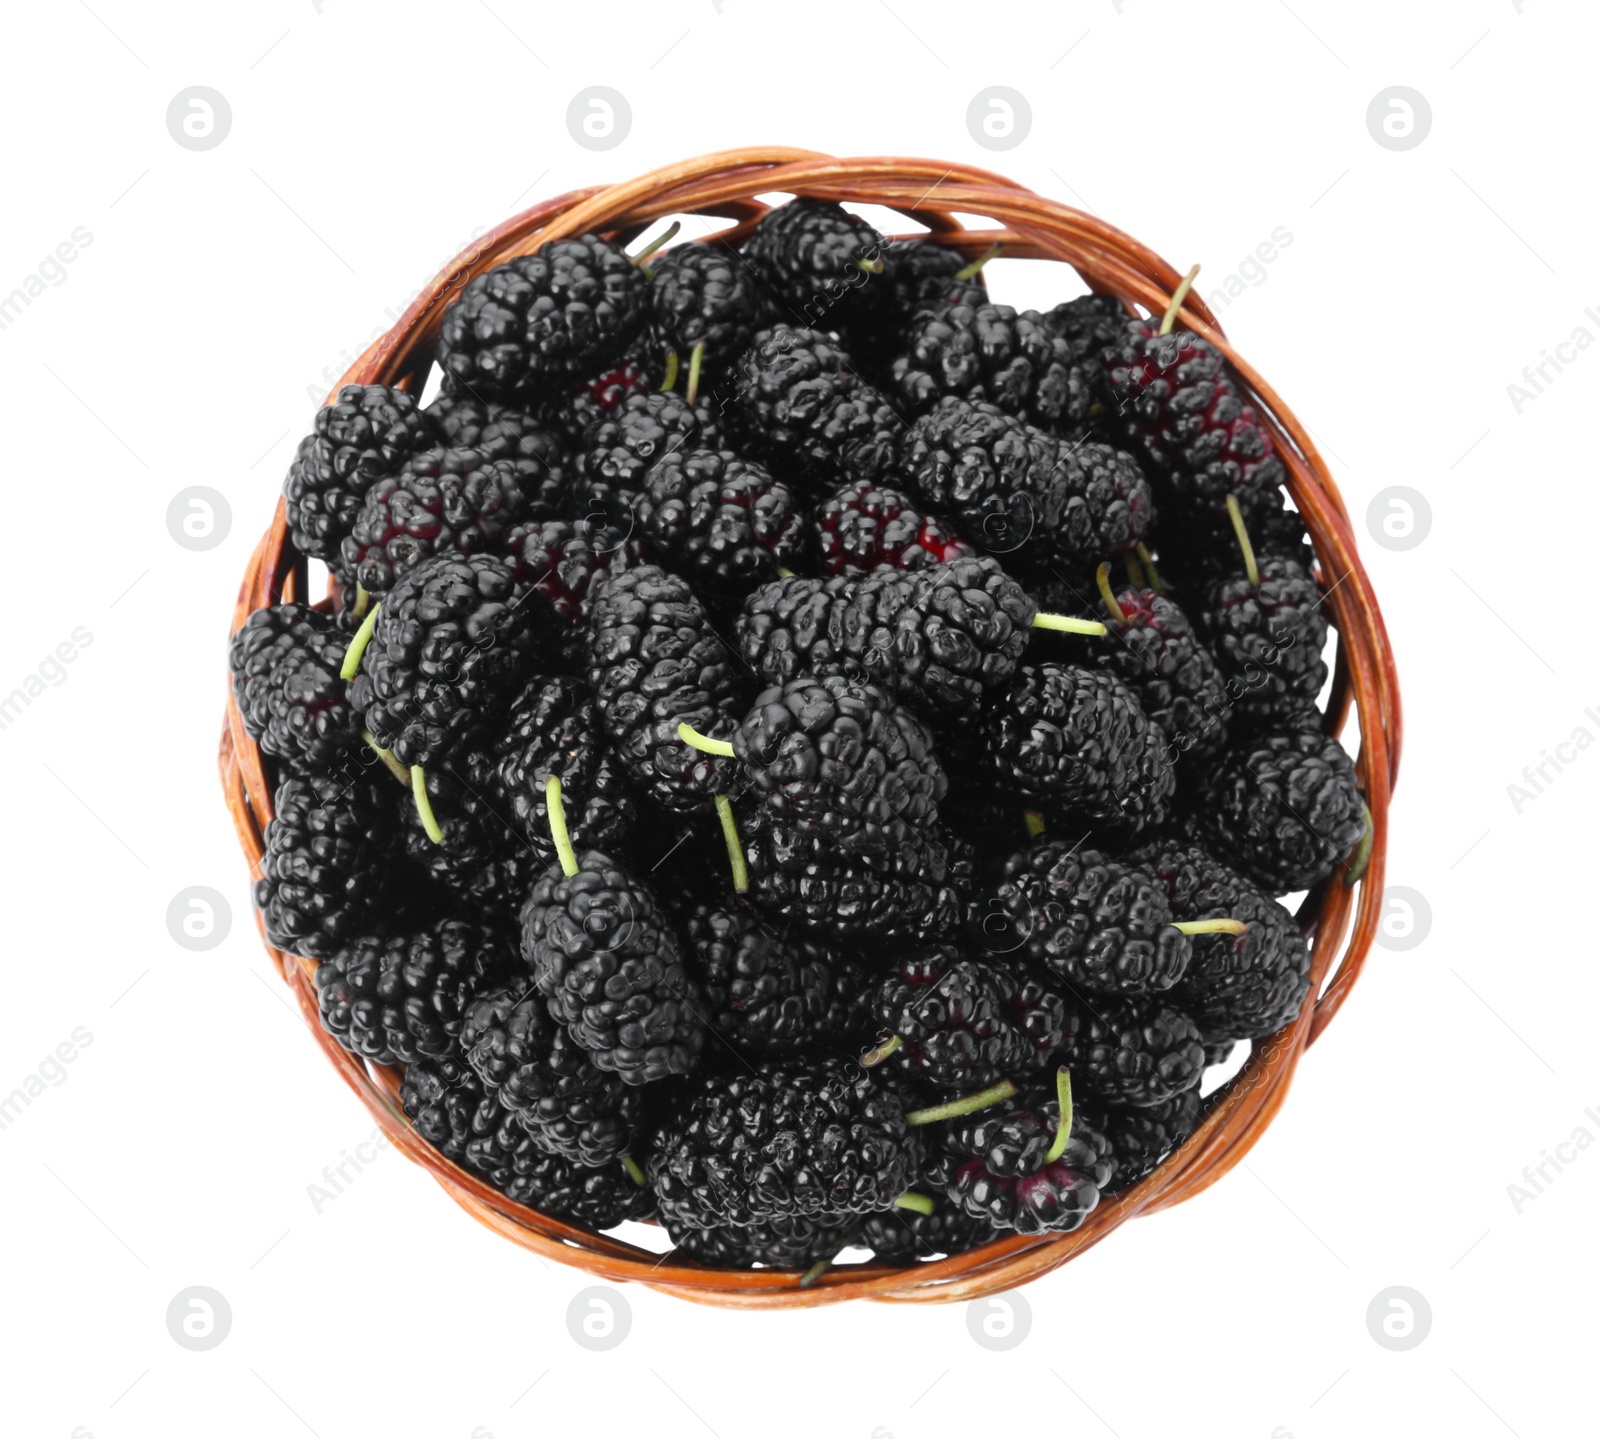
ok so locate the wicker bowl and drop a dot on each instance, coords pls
(1340, 917)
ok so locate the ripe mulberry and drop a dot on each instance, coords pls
(817, 1138)
(1076, 741)
(839, 760)
(525, 1059)
(862, 527)
(542, 319)
(604, 955)
(1285, 808)
(449, 647)
(1092, 922)
(655, 662)
(405, 997)
(1177, 401)
(1237, 986)
(285, 663)
(365, 434)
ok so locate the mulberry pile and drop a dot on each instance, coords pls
(731, 780)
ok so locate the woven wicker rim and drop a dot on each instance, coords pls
(1340, 918)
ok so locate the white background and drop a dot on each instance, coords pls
(223, 289)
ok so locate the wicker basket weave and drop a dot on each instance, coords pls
(1340, 917)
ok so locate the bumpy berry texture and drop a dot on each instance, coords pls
(1238, 986)
(1134, 1051)
(1076, 741)
(539, 459)
(994, 1166)
(451, 1110)
(450, 645)
(285, 665)
(636, 373)
(543, 319)
(655, 662)
(1178, 403)
(903, 1236)
(863, 527)
(786, 1241)
(530, 1063)
(1095, 924)
(704, 295)
(1285, 808)
(558, 561)
(992, 352)
(367, 433)
(1140, 1139)
(1029, 496)
(800, 404)
(621, 446)
(818, 1138)
(1153, 649)
(1268, 639)
(482, 857)
(802, 880)
(553, 728)
(921, 271)
(440, 501)
(604, 954)
(331, 868)
(1088, 324)
(724, 522)
(404, 998)
(837, 759)
(937, 638)
(809, 253)
(768, 993)
(964, 1022)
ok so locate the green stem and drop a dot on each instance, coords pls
(872, 267)
(1033, 822)
(822, 1266)
(916, 1203)
(730, 835)
(1236, 516)
(970, 272)
(695, 740)
(358, 645)
(557, 814)
(631, 1165)
(419, 792)
(1363, 855)
(1064, 1124)
(1102, 579)
(968, 1104)
(395, 768)
(656, 244)
(785, 573)
(1211, 926)
(881, 1052)
(363, 599)
(1148, 561)
(696, 355)
(1176, 302)
(1135, 570)
(671, 377)
(1067, 624)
